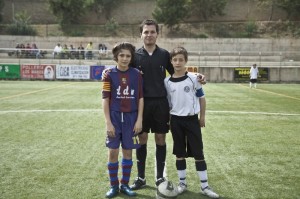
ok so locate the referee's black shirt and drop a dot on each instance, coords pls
(154, 70)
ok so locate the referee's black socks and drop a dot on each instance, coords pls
(161, 152)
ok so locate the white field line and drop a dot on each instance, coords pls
(270, 92)
(100, 110)
(37, 91)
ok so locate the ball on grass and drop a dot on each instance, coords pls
(166, 189)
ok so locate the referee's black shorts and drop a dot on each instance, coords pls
(253, 80)
(186, 133)
(156, 115)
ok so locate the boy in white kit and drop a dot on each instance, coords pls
(186, 101)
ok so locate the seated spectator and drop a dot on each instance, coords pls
(102, 50)
(57, 51)
(23, 52)
(65, 53)
(35, 52)
(80, 53)
(72, 51)
(89, 51)
(27, 51)
(18, 51)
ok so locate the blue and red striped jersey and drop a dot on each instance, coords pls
(124, 88)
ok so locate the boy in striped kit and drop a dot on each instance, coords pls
(123, 105)
(186, 100)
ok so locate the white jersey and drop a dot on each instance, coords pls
(253, 73)
(184, 94)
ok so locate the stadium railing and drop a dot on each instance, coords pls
(196, 58)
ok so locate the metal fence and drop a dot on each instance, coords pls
(196, 58)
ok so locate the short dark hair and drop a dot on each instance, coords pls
(121, 46)
(149, 22)
(179, 50)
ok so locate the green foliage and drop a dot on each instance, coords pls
(111, 26)
(1, 8)
(202, 35)
(77, 33)
(292, 7)
(221, 30)
(68, 11)
(251, 28)
(207, 8)
(21, 25)
(170, 13)
(103, 6)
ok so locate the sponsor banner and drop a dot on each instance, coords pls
(193, 69)
(96, 72)
(242, 74)
(72, 72)
(49, 72)
(10, 71)
(35, 71)
(110, 66)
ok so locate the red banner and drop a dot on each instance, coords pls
(33, 71)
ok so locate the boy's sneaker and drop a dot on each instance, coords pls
(124, 188)
(160, 180)
(138, 183)
(209, 192)
(181, 187)
(114, 190)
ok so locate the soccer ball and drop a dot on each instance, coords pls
(166, 189)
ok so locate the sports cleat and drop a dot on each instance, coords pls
(124, 188)
(138, 183)
(114, 190)
(160, 180)
(181, 187)
(209, 192)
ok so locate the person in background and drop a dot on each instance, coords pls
(28, 50)
(80, 53)
(123, 105)
(72, 52)
(57, 51)
(253, 76)
(18, 52)
(35, 52)
(89, 51)
(187, 100)
(65, 53)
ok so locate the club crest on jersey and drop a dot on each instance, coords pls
(186, 89)
(124, 80)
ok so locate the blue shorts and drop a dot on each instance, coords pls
(124, 124)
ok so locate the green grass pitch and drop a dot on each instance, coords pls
(52, 142)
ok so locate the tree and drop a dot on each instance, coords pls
(21, 25)
(207, 8)
(1, 7)
(267, 4)
(68, 11)
(169, 12)
(292, 7)
(103, 6)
